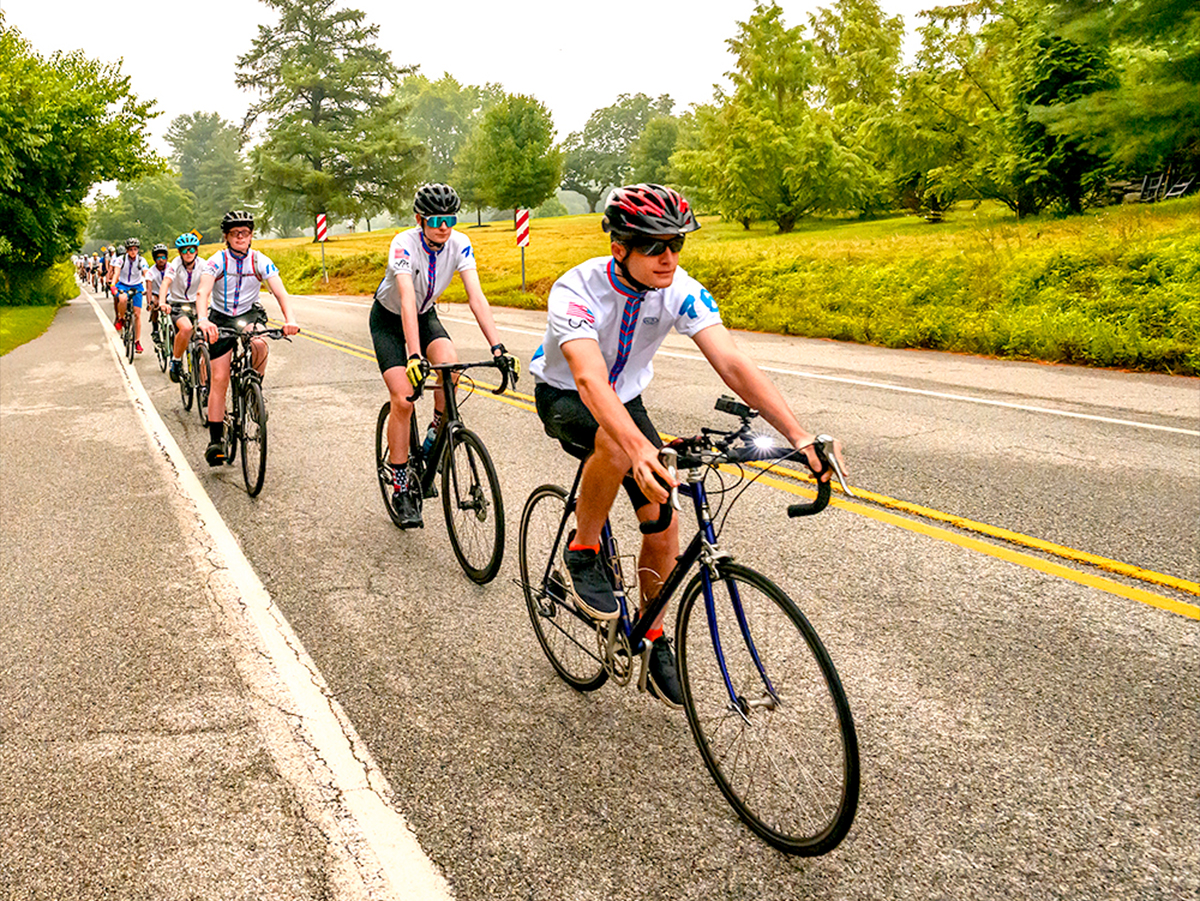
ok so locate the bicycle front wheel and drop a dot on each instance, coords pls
(473, 506)
(162, 345)
(785, 754)
(200, 361)
(254, 437)
(130, 338)
(565, 633)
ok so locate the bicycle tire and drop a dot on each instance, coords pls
(127, 331)
(473, 506)
(162, 340)
(382, 468)
(200, 373)
(801, 794)
(566, 635)
(185, 382)
(253, 437)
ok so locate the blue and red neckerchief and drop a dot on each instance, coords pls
(629, 319)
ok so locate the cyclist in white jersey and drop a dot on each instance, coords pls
(128, 277)
(154, 279)
(177, 296)
(606, 319)
(228, 298)
(405, 327)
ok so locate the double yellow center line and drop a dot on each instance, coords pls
(786, 479)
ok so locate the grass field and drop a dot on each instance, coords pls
(1118, 287)
(19, 325)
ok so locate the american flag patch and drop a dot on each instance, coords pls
(579, 311)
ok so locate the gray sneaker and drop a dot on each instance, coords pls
(595, 592)
(664, 677)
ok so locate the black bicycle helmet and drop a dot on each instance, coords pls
(436, 200)
(132, 242)
(236, 219)
(647, 210)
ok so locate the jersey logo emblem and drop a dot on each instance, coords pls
(578, 314)
(650, 320)
(689, 304)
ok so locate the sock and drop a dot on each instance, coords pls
(576, 546)
(654, 634)
(216, 431)
(400, 476)
(437, 419)
(176, 359)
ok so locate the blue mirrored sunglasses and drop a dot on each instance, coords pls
(439, 221)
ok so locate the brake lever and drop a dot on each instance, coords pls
(826, 442)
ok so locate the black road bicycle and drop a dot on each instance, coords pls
(127, 336)
(246, 412)
(198, 359)
(764, 702)
(471, 498)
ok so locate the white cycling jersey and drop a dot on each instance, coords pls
(156, 277)
(237, 280)
(184, 283)
(589, 302)
(431, 272)
(130, 272)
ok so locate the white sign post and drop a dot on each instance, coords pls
(522, 240)
(322, 232)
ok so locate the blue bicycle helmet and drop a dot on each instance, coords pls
(186, 240)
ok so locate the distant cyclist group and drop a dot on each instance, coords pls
(606, 319)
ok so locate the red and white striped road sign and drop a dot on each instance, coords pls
(522, 228)
(322, 229)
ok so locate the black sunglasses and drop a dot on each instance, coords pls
(650, 246)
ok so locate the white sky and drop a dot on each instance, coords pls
(574, 57)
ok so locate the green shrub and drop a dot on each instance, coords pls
(47, 287)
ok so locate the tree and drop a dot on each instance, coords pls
(1148, 117)
(650, 155)
(64, 126)
(597, 158)
(206, 152)
(442, 115)
(515, 154)
(468, 175)
(334, 142)
(155, 210)
(764, 151)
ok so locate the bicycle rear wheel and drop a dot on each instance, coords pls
(185, 382)
(253, 437)
(200, 365)
(566, 634)
(473, 506)
(787, 760)
(383, 467)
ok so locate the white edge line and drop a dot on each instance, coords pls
(358, 778)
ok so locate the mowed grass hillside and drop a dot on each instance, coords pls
(1118, 287)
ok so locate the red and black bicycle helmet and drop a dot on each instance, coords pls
(436, 200)
(647, 210)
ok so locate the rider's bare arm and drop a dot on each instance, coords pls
(480, 308)
(751, 384)
(275, 284)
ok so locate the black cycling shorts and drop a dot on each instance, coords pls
(183, 309)
(256, 315)
(566, 418)
(387, 333)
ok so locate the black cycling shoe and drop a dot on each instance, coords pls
(173, 371)
(595, 593)
(663, 680)
(408, 508)
(214, 455)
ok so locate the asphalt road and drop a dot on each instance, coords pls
(1022, 734)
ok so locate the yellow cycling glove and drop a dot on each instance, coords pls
(415, 370)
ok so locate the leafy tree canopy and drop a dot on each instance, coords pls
(206, 152)
(598, 158)
(518, 165)
(66, 124)
(442, 114)
(155, 210)
(334, 139)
